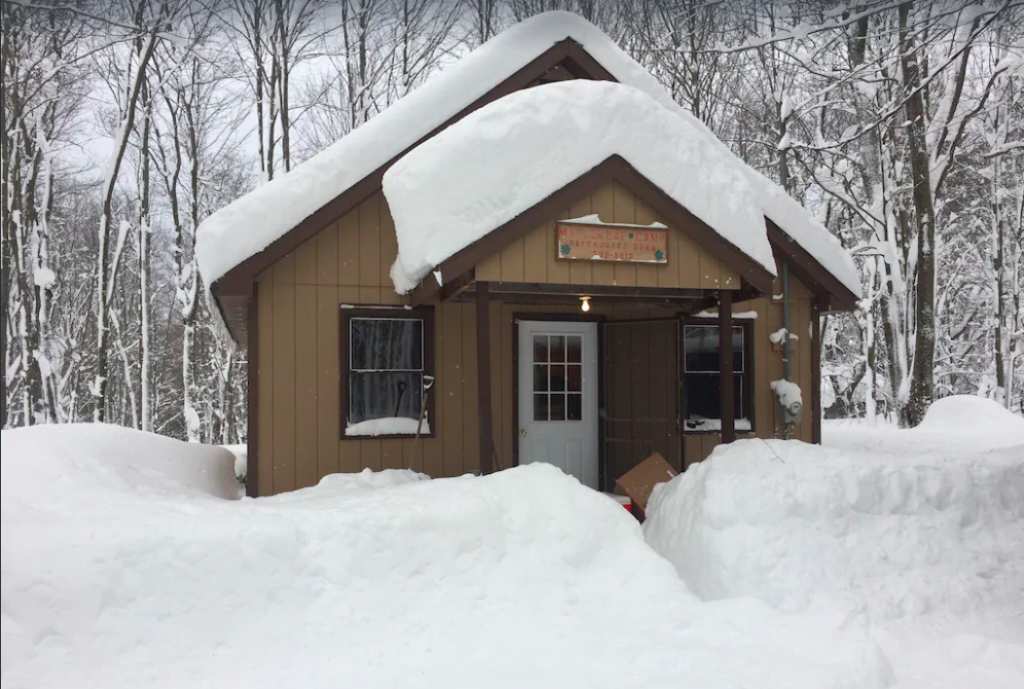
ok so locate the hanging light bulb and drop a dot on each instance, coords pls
(585, 303)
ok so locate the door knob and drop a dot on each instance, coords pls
(522, 432)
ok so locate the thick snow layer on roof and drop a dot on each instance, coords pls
(251, 223)
(509, 155)
(254, 221)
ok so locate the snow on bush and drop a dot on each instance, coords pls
(506, 157)
(123, 568)
(892, 536)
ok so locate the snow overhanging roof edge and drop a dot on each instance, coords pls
(222, 249)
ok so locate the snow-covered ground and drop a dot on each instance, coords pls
(124, 564)
(128, 560)
(915, 536)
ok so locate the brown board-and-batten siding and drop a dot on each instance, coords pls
(299, 299)
(532, 258)
(768, 366)
(299, 402)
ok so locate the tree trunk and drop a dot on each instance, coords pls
(145, 412)
(922, 386)
(104, 278)
(5, 241)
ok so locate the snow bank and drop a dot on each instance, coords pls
(251, 223)
(336, 485)
(522, 578)
(970, 414)
(511, 154)
(889, 536)
(61, 462)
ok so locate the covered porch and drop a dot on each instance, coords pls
(608, 362)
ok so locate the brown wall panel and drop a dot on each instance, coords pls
(306, 435)
(300, 412)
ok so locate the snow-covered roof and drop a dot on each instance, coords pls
(253, 222)
(508, 156)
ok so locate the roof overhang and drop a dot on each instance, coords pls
(831, 293)
(613, 169)
(565, 58)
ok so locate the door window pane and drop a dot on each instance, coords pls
(540, 378)
(540, 407)
(540, 348)
(557, 407)
(574, 349)
(557, 377)
(574, 411)
(574, 378)
(557, 348)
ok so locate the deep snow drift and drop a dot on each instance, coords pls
(119, 574)
(916, 536)
(510, 155)
(889, 536)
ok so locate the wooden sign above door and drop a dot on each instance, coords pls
(582, 241)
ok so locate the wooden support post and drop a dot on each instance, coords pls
(252, 373)
(816, 371)
(483, 376)
(725, 366)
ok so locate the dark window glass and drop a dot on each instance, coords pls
(540, 378)
(385, 368)
(386, 344)
(574, 349)
(540, 407)
(557, 407)
(703, 398)
(700, 343)
(701, 387)
(540, 348)
(574, 412)
(558, 348)
(557, 377)
(574, 378)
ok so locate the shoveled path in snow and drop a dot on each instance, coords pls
(915, 537)
(981, 648)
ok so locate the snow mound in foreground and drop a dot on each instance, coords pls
(892, 536)
(972, 414)
(522, 578)
(64, 462)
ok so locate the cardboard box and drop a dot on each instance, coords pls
(639, 482)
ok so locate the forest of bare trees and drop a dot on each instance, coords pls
(900, 124)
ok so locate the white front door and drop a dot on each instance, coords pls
(558, 396)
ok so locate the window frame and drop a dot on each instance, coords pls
(348, 314)
(747, 375)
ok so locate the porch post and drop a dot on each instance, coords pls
(725, 366)
(483, 377)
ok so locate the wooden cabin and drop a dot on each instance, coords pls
(600, 325)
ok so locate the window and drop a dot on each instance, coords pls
(387, 368)
(557, 377)
(701, 386)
